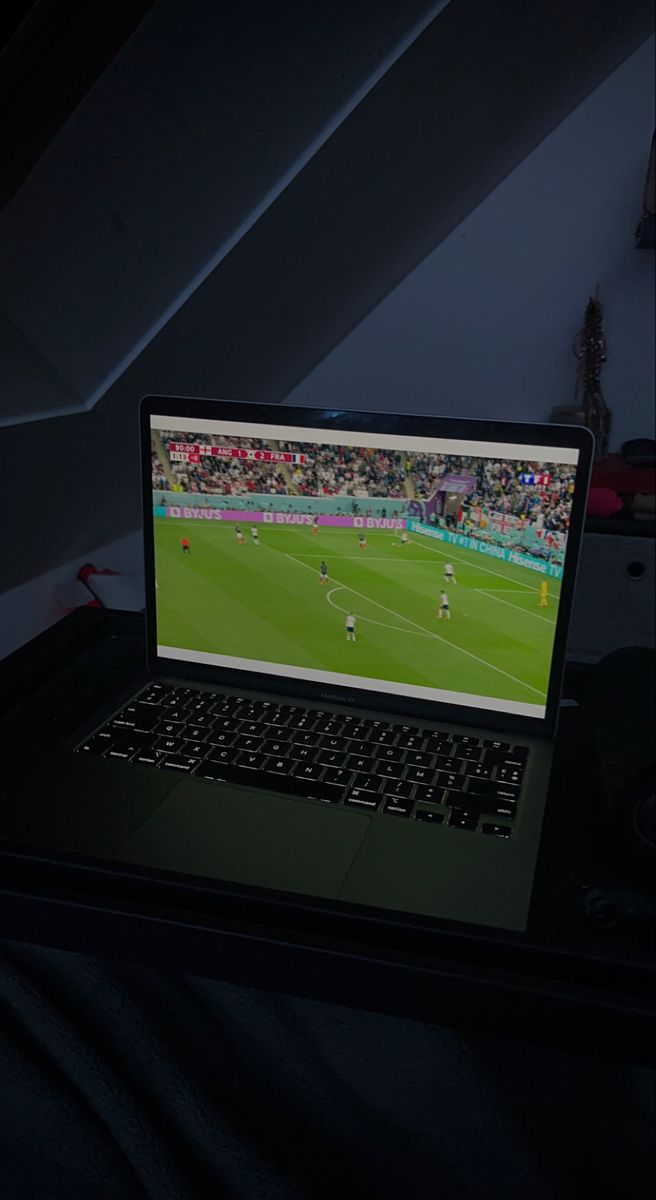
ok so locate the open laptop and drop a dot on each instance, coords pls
(356, 628)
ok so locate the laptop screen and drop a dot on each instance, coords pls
(428, 568)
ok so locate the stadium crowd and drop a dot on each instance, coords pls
(357, 472)
(224, 476)
(349, 471)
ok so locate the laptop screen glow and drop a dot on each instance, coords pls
(419, 567)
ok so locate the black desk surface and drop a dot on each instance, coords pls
(564, 983)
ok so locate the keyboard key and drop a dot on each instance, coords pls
(478, 771)
(335, 777)
(301, 737)
(304, 754)
(358, 799)
(171, 745)
(332, 729)
(446, 762)
(489, 787)
(222, 756)
(424, 775)
(362, 749)
(509, 775)
(367, 783)
(390, 754)
(179, 763)
(149, 758)
(359, 762)
(397, 788)
(418, 758)
(95, 745)
(305, 770)
(224, 725)
(464, 739)
(277, 718)
(254, 761)
(304, 724)
(249, 743)
(275, 746)
(447, 779)
(167, 729)
(328, 758)
(503, 758)
(498, 830)
(203, 720)
(431, 818)
(491, 744)
(137, 716)
(483, 804)
(437, 738)
(334, 743)
(383, 737)
(429, 795)
(399, 808)
(195, 749)
(223, 739)
(468, 753)
(411, 741)
(280, 766)
(356, 733)
(461, 819)
(250, 729)
(389, 770)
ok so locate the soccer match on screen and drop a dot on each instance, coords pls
(430, 570)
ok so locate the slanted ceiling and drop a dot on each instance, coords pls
(240, 188)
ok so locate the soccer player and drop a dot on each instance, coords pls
(443, 610)
(404, 538)
(315, 526)
(362, 541)
(186, 548)
(240, 536)
(255, 535)
(449, 577)
(350, 628)
(323, 573)
(543, 594)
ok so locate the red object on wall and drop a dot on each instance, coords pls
(615, 474)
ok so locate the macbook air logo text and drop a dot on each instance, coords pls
(335, 696)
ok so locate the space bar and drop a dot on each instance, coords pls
(291, 786)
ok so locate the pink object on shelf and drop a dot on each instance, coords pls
(603, 502)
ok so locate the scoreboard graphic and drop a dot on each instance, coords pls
(189, 453)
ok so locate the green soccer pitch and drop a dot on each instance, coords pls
(265, 602)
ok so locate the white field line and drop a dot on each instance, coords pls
(437, 637)
(511, 605)
(370, 620)
(370, 557)
(520, 587)
(466, 561)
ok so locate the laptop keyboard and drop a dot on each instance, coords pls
(437, 777)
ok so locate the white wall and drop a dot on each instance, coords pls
(28, 609)
(484, 326)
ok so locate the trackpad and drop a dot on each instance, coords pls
(259, 838)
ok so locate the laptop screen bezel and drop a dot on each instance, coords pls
(522, 433)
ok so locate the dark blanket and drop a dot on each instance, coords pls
(121, 1083)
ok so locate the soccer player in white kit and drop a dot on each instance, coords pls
(255, 535)
(449, 577)
(444, 607)
(350, 627)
